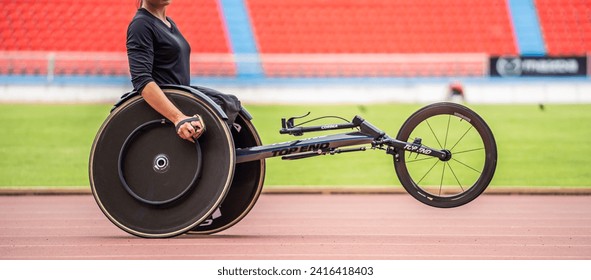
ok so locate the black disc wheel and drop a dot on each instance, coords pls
(468, 169)
(246, 186)
(150, 182)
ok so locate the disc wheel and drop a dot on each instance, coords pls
(454, 181)
(246, 186)
(151, 183)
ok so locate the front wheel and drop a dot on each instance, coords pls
(452, 182)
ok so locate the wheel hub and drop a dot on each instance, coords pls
(161, 163)
(447, 155)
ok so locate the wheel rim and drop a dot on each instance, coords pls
(468, 171)
(446, 178)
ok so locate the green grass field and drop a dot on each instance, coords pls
(49, 145)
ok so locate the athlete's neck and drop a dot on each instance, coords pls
(157, 11)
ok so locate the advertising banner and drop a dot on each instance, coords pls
(538, 66)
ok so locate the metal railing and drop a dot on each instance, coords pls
(52, 64)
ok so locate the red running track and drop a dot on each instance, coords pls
(339, 227)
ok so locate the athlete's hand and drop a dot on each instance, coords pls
(190, 130)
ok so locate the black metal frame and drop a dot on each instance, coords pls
(331, 144)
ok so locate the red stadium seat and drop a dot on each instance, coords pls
(566, 26)
(382, 27)
(63, 26)
(296, 28)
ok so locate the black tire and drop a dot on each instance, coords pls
(246, 186)
(148, 181)
(473, 161)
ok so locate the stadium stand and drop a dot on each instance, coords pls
(294, 38)
(566, 26)
(381, 27)
(87, 37)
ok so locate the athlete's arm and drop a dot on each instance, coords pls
(155, 97)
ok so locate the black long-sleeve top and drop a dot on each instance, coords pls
(156, 52)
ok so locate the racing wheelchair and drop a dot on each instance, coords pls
(151, 183)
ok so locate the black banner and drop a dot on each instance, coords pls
(538, 66)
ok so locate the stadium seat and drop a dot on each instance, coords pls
(566, 26)
(381, 27)
(65, 26)
(294, 30)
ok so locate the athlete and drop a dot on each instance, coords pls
(159, 54)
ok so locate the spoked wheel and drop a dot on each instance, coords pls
(246, 186)
(454, 181)
(150, 182)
